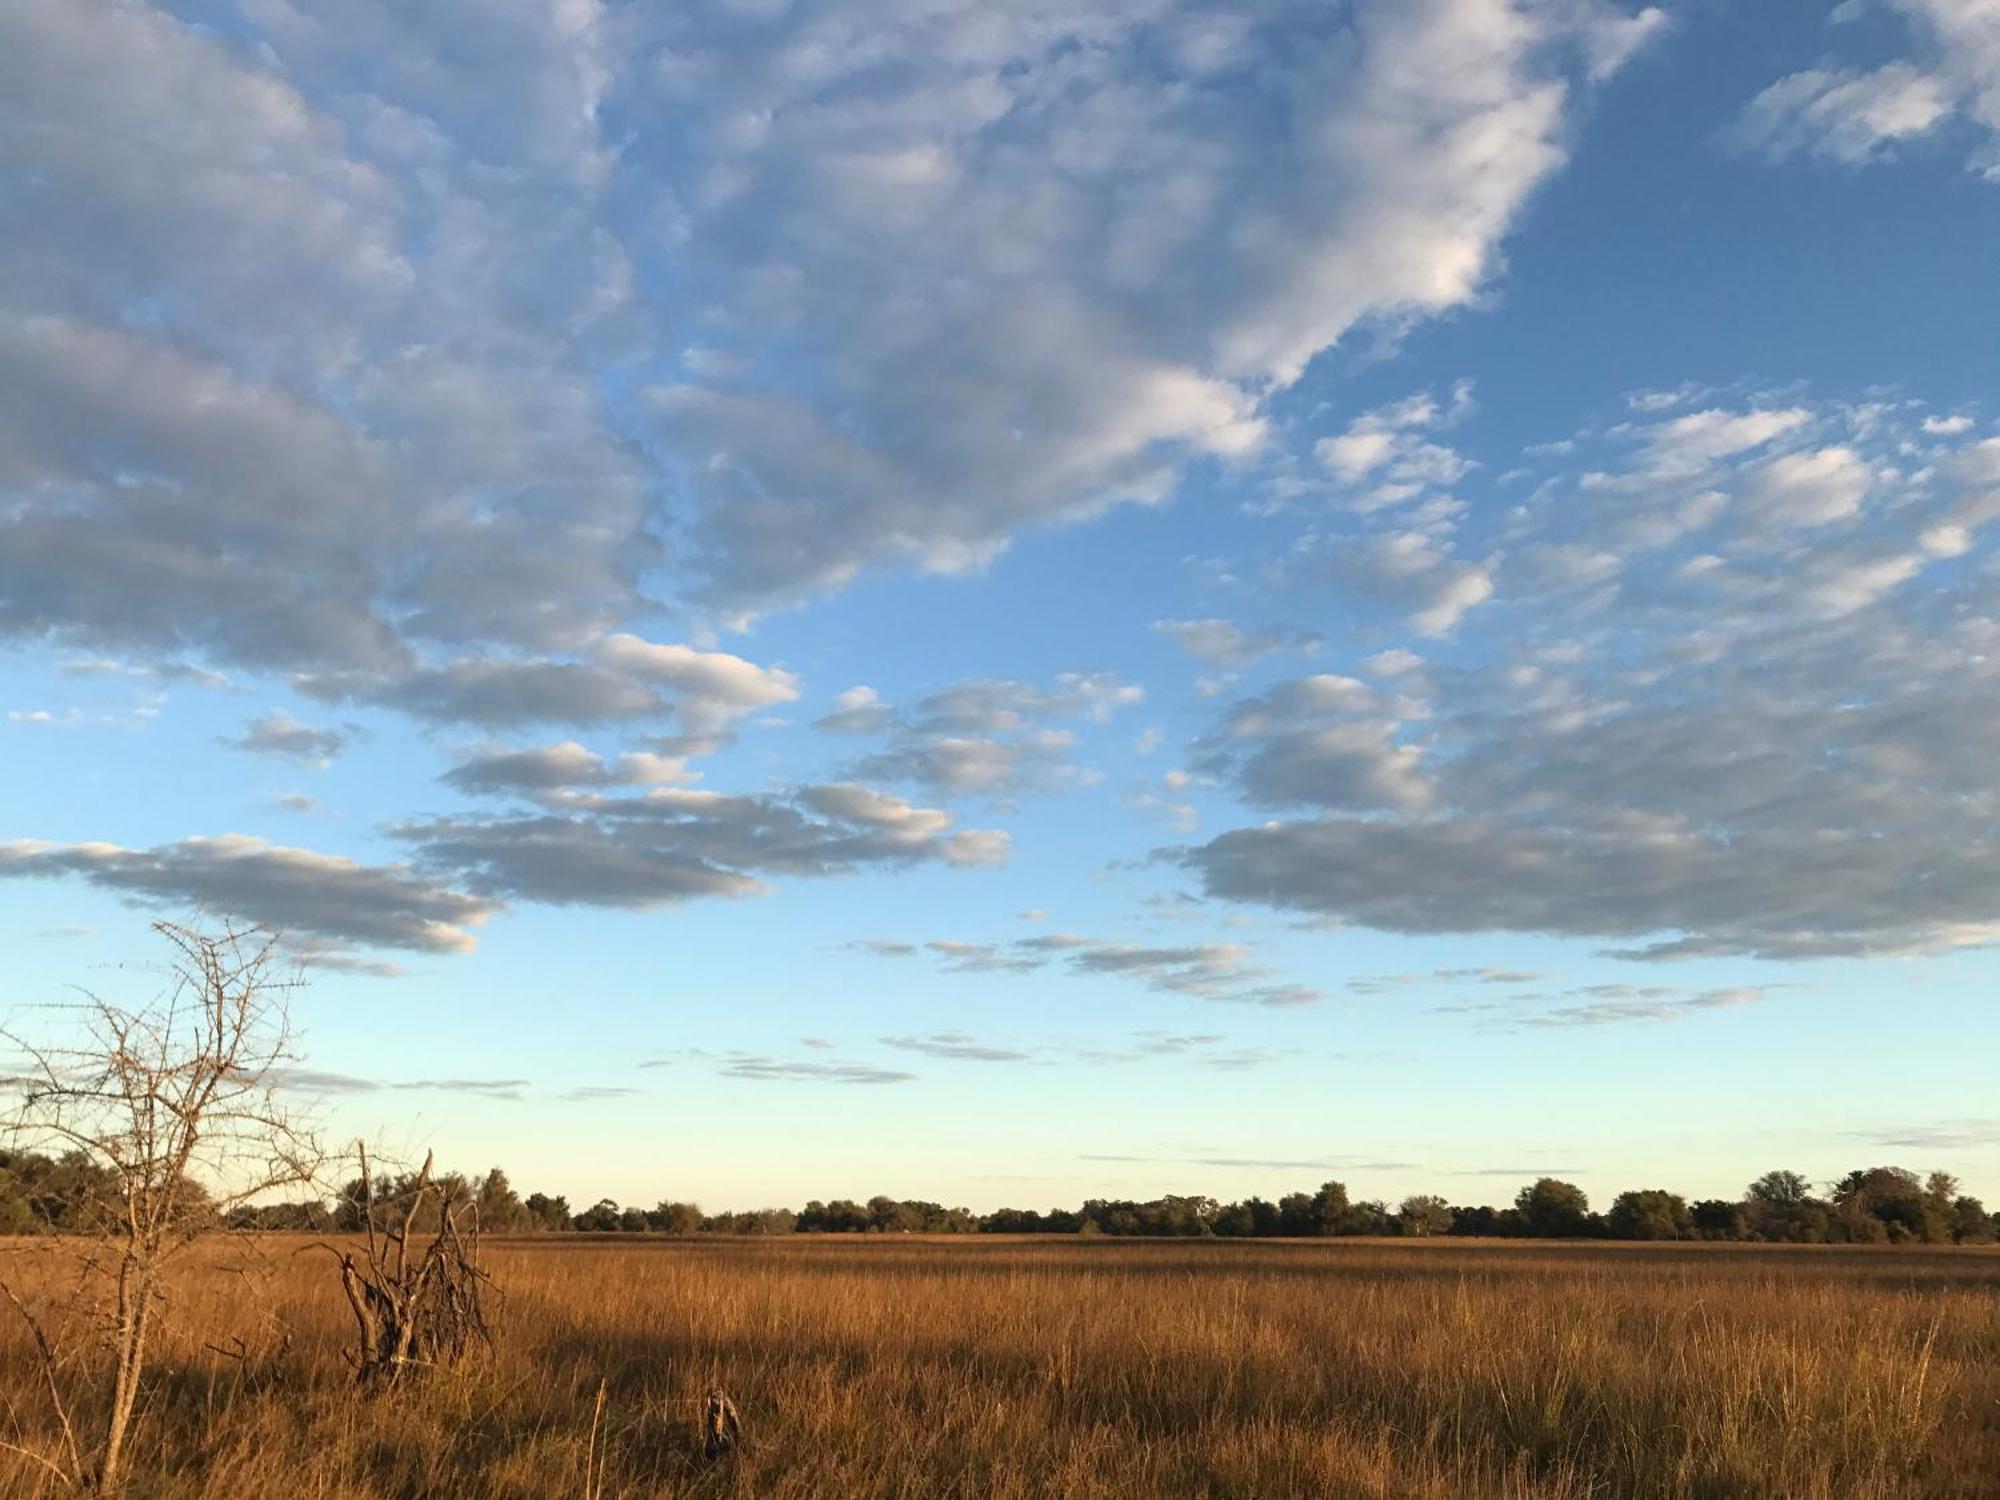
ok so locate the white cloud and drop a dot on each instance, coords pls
(1700, 438)
(1225, 972)
(991, 737)
(1384, 460)
(1807, 489)
(1416, 573)
(1854, 116)
(1059, 276)
(1699, 725)
(1219, 642)
(1843, 114)
(859, 710)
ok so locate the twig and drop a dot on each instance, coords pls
(47, 1358)
(45, 1463)
(590, 1489)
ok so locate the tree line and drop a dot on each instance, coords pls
(1871, 1205)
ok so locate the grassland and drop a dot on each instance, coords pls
(997, 1368)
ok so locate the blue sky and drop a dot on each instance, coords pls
(803, 599)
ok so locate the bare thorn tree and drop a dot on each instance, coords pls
(174, 1105)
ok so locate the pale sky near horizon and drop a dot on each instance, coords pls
(1002, 601)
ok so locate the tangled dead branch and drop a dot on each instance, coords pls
(422, 1308)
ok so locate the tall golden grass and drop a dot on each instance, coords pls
(869, 1367)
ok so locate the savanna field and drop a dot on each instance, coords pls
(905, 1367)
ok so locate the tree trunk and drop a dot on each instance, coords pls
(135, 1304)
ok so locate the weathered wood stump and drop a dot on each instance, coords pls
(720, 1430)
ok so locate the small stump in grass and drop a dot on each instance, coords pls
(720, 1430)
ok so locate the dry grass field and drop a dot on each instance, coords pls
(1000, 1368)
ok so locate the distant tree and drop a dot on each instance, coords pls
(1425, 1214)
(1941, 1197)
(1970, 1223)
(1297, 1215)
(1308, 1214)
(1331, 1210)
(889, 1216)
(1252, 1218)
(1173, 1215)
(1369, 1216)
(755, 1221)
(676, 1218)
(17, 1213)
(1553, 1209)
(1785, 1189)
(600, 1217)
(1012, 1221)
(500, 1208)
(1780, 1208)
(309, 1215)
(1873, 1204)
(545, 1212)
(1482, 1221)
(1028, 1221)
(1649, 1214)
(1717, 1219)
(1235, 1222)
(841, 1216)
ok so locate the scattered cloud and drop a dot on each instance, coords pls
(1220, 643)
(1857, 116)
(756, 1069)
(1936, 1135)
(1653, 760)
(316, 1081)
(546, 769)
(619, 678)
(411, 487)
(1384, 459)
(919, 174)
(294, 890)
(954, 1046)
(1613, 1012)
(1226, 972)
(672, 844)
(1264, 1163)
(979, 958)
(859, 710)
(278, 733)
(1414, 572)
(1530, 1173)
(986, 737)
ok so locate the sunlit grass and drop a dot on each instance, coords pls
(1001, 1368)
